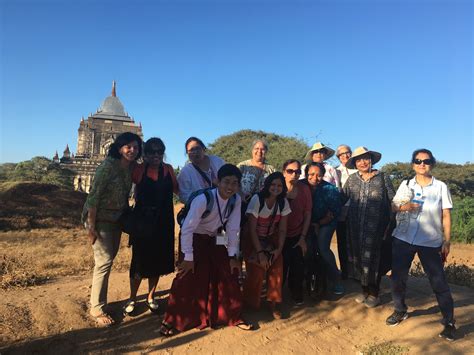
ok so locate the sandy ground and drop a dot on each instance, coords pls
(56, 317)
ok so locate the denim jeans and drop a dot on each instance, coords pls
(402, 257)
(323, 242)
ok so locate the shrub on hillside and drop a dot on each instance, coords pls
(237, 147)
(38, 169)
(462, 226)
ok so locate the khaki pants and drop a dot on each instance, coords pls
(105, 249)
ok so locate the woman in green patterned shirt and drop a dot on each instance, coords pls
(107, 200)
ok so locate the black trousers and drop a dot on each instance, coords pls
(293, 267)
(430, 258)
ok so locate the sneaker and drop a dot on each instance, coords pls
(338, 289)
(448, 332)
(372, 301)
(360, 298)
(396, 317)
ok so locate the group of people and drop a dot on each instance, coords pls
(280, 223)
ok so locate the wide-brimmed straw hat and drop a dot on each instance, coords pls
(374, 156)
(319, 146)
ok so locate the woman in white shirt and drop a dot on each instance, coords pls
(200, 171)
(262, 243)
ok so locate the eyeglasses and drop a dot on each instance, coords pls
(320, 151)
(424, 161)
(291, 171)
(194, 150)
(155, 152)
(344, 153)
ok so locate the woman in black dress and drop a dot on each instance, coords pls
(153, 246)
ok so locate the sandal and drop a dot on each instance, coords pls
(276, 312)
(129, 308)
(103, 320)
(167, 330)
(153, 305)
(245, 325)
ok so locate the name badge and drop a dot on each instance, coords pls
(222, 238)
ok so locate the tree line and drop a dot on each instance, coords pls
(236, 147)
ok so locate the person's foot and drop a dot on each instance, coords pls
(129, 307)
(372, 301)
(360, 298)
(103, 320)
(299, 302)
(448, 332)
(168, 330)
(243, 325)
(153, 305)
(338, 289)
(396, 318)
(276, 312)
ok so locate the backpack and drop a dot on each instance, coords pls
(208, 192)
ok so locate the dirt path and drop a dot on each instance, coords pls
(55, 315)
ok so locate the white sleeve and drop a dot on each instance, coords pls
(254, 206)
(233, 228)
(336, 178)
(446, 200)
(192, 220)
(185, 184)
(286, 208)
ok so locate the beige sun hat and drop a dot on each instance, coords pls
(318, 146)
(375, 156)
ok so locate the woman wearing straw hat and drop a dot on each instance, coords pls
(370, 193)
(318, 154)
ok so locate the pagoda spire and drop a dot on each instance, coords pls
(113, 89)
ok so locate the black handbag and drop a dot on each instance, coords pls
(139, 222)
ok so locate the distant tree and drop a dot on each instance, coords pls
(237, 147)
(5, 170)
(39, 169)
(459, 178)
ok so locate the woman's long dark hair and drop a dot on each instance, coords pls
(268, 182)
(124, 139)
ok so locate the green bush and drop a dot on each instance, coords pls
(462, 226)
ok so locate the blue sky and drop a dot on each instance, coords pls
(390, 75)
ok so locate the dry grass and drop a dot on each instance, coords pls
(385, 348)
(33, 257)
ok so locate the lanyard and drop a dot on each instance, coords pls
(219, 209)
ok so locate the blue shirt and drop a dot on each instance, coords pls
(326, 198)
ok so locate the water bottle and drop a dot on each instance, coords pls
(418, 199)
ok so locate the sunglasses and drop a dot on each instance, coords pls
(320, 151)
(155, 152)
(291, 171)
(424, 161)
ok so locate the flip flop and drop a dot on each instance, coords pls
(103, 320)
(245, 325)
(168, 330)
